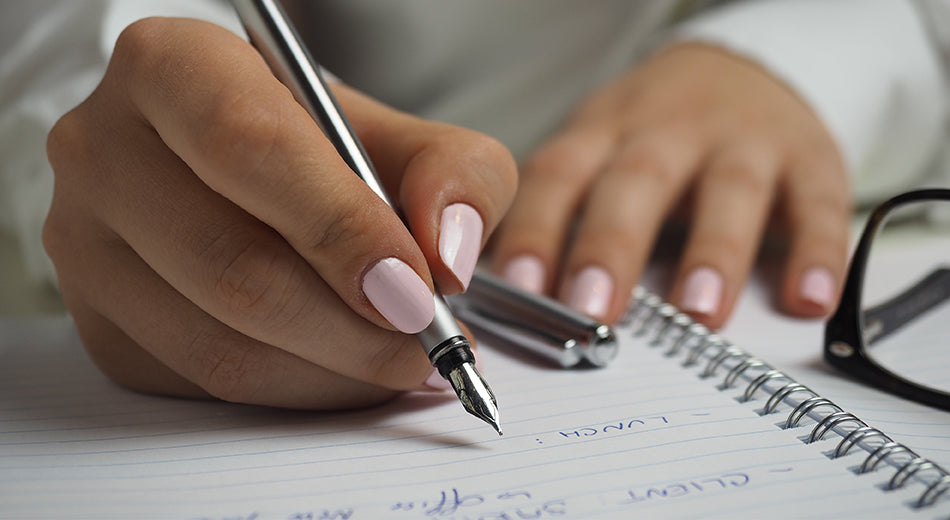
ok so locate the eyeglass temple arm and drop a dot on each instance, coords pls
(889, 316)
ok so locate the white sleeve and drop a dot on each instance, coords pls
(868, 68)
(52, 55)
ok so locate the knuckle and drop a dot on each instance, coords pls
(820, 210)
(490, 151)
(480, 154)
(743, 175)
(725, 247)
(498, 166)
(65, 139)
(225, 369)
(822, 223)
(54, 235)
(251, 276)
(831, 204)
(649, 165)
(68, 236)
(242, 119)
(621, 237)
(731, 245)
(560, 161)
(816, 151)
(824, 241)
(245, 125)
(73, 149)
(141, 49)
(342, 229)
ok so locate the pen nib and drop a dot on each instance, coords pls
(474, 394)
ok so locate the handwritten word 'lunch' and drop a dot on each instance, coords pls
(591, 431)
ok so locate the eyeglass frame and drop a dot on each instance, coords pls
(845, 345)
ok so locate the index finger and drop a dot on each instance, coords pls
(215, 103)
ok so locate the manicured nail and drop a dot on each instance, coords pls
(818, 287)
(399, 295)
(436, 382)
(591, 292)
(525, 272)
(702, 292)
(460, 240)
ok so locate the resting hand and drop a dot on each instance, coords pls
(210, 241)
(696, 125)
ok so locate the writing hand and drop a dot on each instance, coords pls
(696, 124)
(209, 240)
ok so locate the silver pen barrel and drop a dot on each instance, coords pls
(271, 32)
(290, 61)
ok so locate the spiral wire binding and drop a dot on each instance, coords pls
(907, 470)
(806, 406)
(660, 323)
(737, 371)
(760, 380)
(830, 421)
(691, 332)
(780, 395)
(881, 453)
(856, 435)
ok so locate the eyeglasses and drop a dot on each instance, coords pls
(892, 327)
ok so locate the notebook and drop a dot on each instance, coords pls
(675, 427)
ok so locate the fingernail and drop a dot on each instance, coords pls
(702, 292)
(435, 381)
(460, 240)
(591, 291)
(525, 272)
(399, 295)
(818, 287)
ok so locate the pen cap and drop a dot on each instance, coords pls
(534, 323)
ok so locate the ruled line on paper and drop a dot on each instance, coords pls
(583, 444)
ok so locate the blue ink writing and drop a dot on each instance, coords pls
(508, 505)
(612, 427)
(679, 489)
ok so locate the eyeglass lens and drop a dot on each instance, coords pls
(905, 300)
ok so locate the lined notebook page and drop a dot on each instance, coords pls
(642, 437)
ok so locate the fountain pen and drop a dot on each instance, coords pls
(272, 33)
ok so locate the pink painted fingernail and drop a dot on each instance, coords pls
(818, 287)
(525, 272)
(399, 295)
(460, 240)
(436, 382)
(591, 291)
(702, 292)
